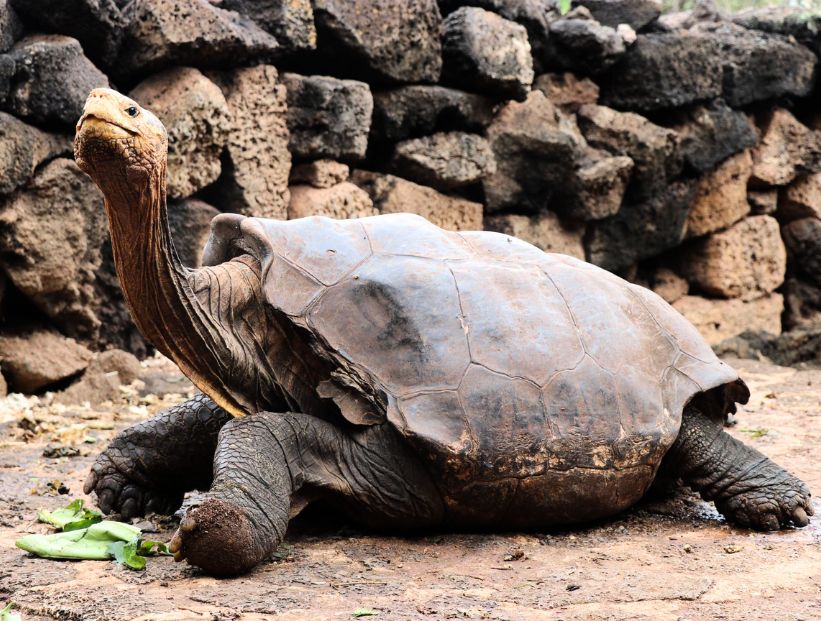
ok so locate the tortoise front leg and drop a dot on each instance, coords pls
(265, 461)
(149, 467)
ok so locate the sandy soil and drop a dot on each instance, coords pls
(670, 558)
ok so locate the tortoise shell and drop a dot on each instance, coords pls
(494, 359)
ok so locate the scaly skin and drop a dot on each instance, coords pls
(149, 467)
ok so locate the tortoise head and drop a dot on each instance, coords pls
(116, 137)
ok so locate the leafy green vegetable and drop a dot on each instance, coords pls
(126, 554)
(90, 543)
(7, 615)
(71, 517)
(364, 612)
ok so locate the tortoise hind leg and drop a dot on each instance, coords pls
(747, 487)
(266, 462)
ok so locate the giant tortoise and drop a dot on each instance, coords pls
(415, 377)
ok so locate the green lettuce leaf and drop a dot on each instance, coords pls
(71, 517)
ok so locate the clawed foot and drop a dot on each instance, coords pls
(123, 489)
(219, 538)
(770, 507)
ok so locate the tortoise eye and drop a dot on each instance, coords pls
(132, 111)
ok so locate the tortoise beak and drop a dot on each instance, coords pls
(103, 116)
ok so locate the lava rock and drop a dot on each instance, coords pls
(545, 231)
(22, 149)
(718, 320)
(641, 230)
(343, 200)
(196, 117)
(445, 160)
(653, 149)
(40, 358)
(801, 199)
(710, 133)
(596, 189)
(746, 261)
(536, 150)
(582, 46)
(664, 70)
(320, 174)
(190, 224)
(484, 52)
(803, 303)
(787, 148)
(395, 195)
(188, 32)
(669, 285)
(327, 117)
(566, 90)
(762, 202)
(50, 238)
(97, 24)
(6, 74)
(803, 240)
(635, 13)
(51, 80)
(11, 28)
(391, 41)
(290, 21)
(721, 198)
(257, 162)
(420, 110)
(795, 22)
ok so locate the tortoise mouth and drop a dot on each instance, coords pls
(91, 125)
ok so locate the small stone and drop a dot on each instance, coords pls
(803, 240)
(327, 117)
(384, 39)
(22, 149)
(596, 188)
(290, 21)
(190, 224)
(721, 198)
(545, 231)
(711, 133)
(11, 28)
(732, 548)
(717, 320)
(420, 110)
(762, 202)
(566, 90)
(343, 200)
(445, 160)
(395, 195)
(669, 285)
(802, 299)
(195, 114)
(320, 174)
(787, 148)
(801, 199)
(52, 79)
(582, 46)
(256, 181)
(189, 32)
(93, 387)
(484, 52)
(635, 13)
(124, 364)
(627, 34)
(37, 359)
(746, 261)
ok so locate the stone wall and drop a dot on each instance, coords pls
(682, 151)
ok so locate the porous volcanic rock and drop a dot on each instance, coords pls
(188, 32)
(445, 161)
(6, 74)
(257, 161)
(484, 52)
(596, 189)
(190, 224)
(582, 46)
(762, 202)
(669, 285)
(396, 195)
(22, 149)
(803, 240)
(717, 320)
(802, 198)
(641, 230)
(635, 13)
(290, 21)
(653, 149)
(545, 231)
(11, 28)
(97, 24)
(536, 150)
(803, 303)
(664, 70)
(320, 173)
(343, 200)
(51, 80)
(4, 387)
(327, 117)
(420, 110)
(721, 199)
(37, 359)
(787, 148)
(710, 133)
(195, 114)
(50, 239)
(746, 261)
(391, 41)
(566, 90)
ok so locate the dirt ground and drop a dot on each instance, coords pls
(671, 558)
